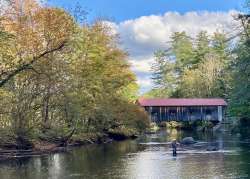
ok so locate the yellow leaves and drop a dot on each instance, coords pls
(37, 29)
(99, 60)
(130, 92)
(202, 82)
(89, 79)
(191, 83)
(4, 93)
(36, 33)
(5, 99)
(54, 26)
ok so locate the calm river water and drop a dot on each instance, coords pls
(148, 157)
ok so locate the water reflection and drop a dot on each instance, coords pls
(147, 157)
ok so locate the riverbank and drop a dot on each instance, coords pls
(189, 125)
(237, 127)
(38, 147)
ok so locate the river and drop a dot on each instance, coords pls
(148, 157)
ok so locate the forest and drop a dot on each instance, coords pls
(62, 78)
(207, 66)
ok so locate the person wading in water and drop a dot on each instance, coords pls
(174, 147)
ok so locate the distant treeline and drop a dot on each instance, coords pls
(207, 66)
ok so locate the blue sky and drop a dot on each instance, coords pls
(120, 10)
(145, 26)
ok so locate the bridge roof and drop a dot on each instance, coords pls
(182, 102)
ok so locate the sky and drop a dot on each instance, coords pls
(145, 26)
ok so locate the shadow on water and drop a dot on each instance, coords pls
(150, 156)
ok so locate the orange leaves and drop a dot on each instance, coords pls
(37, 34)
(37, 29)
(54, 26)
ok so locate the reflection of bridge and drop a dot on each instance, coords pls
(171, 109)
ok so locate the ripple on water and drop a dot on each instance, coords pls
(155, 143)
(76, 175)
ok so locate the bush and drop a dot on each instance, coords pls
(189, 125)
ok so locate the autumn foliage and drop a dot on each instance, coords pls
(57, 75)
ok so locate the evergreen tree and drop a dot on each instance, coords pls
(198, 68)
(240, 96)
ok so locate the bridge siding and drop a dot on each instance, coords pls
(184, 113)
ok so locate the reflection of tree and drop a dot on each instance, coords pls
(173, 134)
(15, 162)
(97, 159)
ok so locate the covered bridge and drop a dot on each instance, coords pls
(184, 109)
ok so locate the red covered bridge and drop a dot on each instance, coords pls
(184, 109)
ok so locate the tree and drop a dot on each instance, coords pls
(182, 51)
(36, 33)
(240, 66)
(202, 47)
(164, 73)
(240, 93)
(205, 80)
(59, 78)
(198, 68)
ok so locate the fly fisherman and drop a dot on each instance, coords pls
(174, 147)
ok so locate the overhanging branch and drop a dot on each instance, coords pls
(27, 66)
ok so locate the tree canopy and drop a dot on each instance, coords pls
(193, 68)
(207, 66)
(57, 75)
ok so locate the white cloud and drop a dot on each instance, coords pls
(141, 64)
(145, 83)
(141, 37)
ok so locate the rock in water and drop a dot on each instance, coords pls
(212, 148)
(200, 128)
(238, 135)
(217, 127)
(188, 140)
